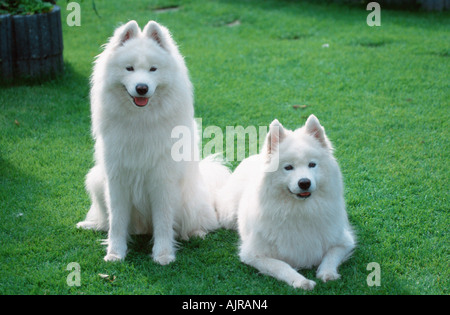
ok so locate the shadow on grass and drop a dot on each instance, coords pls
(18, 190)
(67, 77)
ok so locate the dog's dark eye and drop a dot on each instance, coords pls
(312, 165)
(289, 168)
(153, 69)
(130, 68)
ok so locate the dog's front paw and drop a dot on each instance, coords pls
(328, 275)
(113, 257)
(163, 256)
(164, 259)
(87, 225)
(304, 284)
(163, 253)
(199, 233)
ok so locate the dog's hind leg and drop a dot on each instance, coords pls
(97, 217)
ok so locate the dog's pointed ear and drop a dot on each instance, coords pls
(314, 128)
(125, 33)
(275, 136)
(158, 33)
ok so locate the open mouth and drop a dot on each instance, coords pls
(304, 195)
(140, 101)
(137, 100)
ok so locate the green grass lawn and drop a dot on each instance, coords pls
(381, 92)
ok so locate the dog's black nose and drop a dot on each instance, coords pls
(304, 183)
(142, 89)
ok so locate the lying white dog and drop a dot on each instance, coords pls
(288, 205)
(141, 92)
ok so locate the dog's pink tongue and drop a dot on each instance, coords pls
(140, 101)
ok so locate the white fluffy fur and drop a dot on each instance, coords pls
(280, 230)
(136, 187)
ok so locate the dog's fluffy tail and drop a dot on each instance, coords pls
(227, 206)
(215, 174)
(198, 215)
(225, 200)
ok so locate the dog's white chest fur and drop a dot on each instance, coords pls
(298, 232)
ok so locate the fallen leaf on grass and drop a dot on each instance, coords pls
(234, 23)
(107, 277)
(299, 106)
(169, 8)
(16, 122)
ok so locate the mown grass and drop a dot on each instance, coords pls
(382, 94)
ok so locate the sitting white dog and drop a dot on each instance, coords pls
(140, 93)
